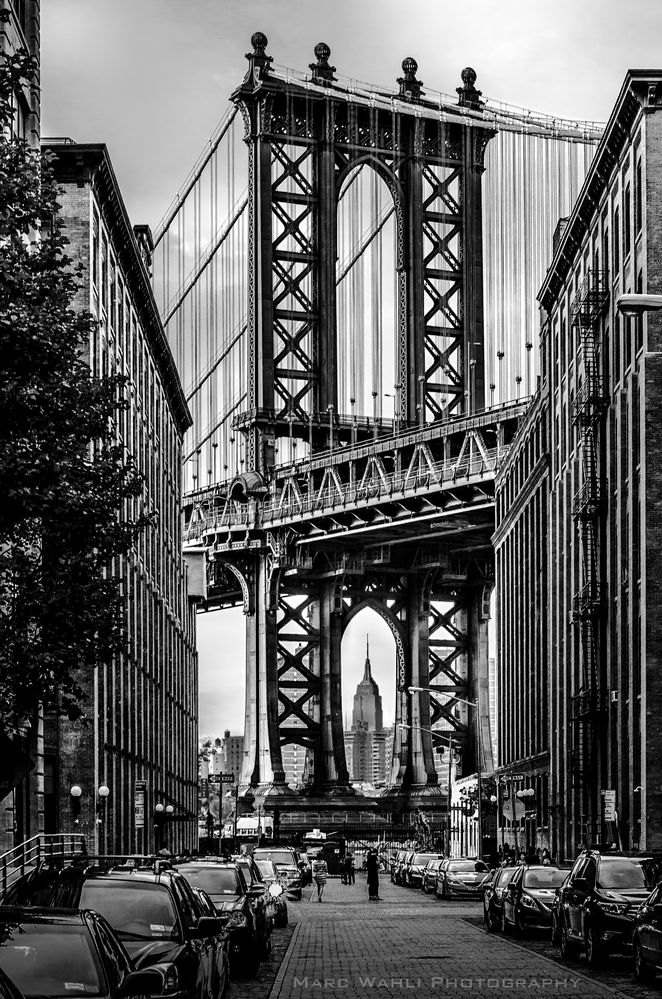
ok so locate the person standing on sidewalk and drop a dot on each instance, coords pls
(320, 873)
(351, 878)
(373, 876)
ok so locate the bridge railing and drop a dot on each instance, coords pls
(25, 857)
(334, 496)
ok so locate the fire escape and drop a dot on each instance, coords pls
(588, 509)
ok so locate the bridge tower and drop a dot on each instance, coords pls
(304, 138)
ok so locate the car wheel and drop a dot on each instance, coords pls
(488, 919)
(569, 949)
(505, 925)
(642, 972)
(595, 951)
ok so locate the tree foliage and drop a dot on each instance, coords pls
(71, 497)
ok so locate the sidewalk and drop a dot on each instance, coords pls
(409, 944)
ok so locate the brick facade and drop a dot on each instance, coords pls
(599, 519)
(142, 710)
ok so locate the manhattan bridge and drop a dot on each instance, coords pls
(348, 281)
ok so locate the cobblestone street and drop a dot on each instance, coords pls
(412, 944)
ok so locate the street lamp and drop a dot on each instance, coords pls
(440, 735)
(75, 792)
(479, 747)
(103, 792)
(636, 305)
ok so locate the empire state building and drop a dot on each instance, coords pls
(365, 743)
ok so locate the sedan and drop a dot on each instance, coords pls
(462, 878)
(52, 953)
(529, 897)
(241, 909)
(493, 897)
(430, 876)
(277, 903)
(647, 937)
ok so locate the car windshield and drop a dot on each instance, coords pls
(468, 865)
(266, 868)
(422, 858)
(213, 879)
(283, 857)
(544, 877)
(136, 911)
(506, 875)
(626, 872)
(51, 960)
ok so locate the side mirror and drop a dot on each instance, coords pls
(275, 889)
(147, 982)
(209, 926)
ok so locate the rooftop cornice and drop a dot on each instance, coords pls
(641, 92)
(90, 163)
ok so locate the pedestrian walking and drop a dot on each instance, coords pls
(320, 874)
(351, 876)
(372, 867)
(343, 869)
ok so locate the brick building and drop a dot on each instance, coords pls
(19, 30)
(144, 707)
(579, 534)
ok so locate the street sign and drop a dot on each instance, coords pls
(227, 778)
(139, 790)
(511, 776)
(214, 780)
(609, 805)
(513, 809)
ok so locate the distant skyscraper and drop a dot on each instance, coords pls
(366, 742)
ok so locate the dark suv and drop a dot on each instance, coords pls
(153, 911)
(287, 864)
(242, 908)
(596, 904)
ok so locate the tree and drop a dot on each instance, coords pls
(71, 498)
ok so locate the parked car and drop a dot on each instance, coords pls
(529, 896)
(597, 903)
(430, 875)
(306, 869)
(402, 866)
(412, 875)
(7, 988)
(287, 863)
(152, 910)
(255, 879)
(275, 892)
(51, 954)
(396, 860)
(647, 938)
(463, 877)
(241, 908)
(493, 897)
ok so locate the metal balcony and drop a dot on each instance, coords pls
(591, 299)
(587, 703)
(590, 401)
(589, 498)
(587, 603)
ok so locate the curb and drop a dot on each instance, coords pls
(285, 963)
(557, 964)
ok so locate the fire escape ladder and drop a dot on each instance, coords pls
(587, 308)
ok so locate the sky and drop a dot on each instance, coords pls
(151, 79)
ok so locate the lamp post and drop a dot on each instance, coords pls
(449, 737)
(75, 793)
(479, 748)
(523, 794)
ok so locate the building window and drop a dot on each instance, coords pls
(104, 273)
(638, 199)
(20, 9)
(627, 221)
(616, 242)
